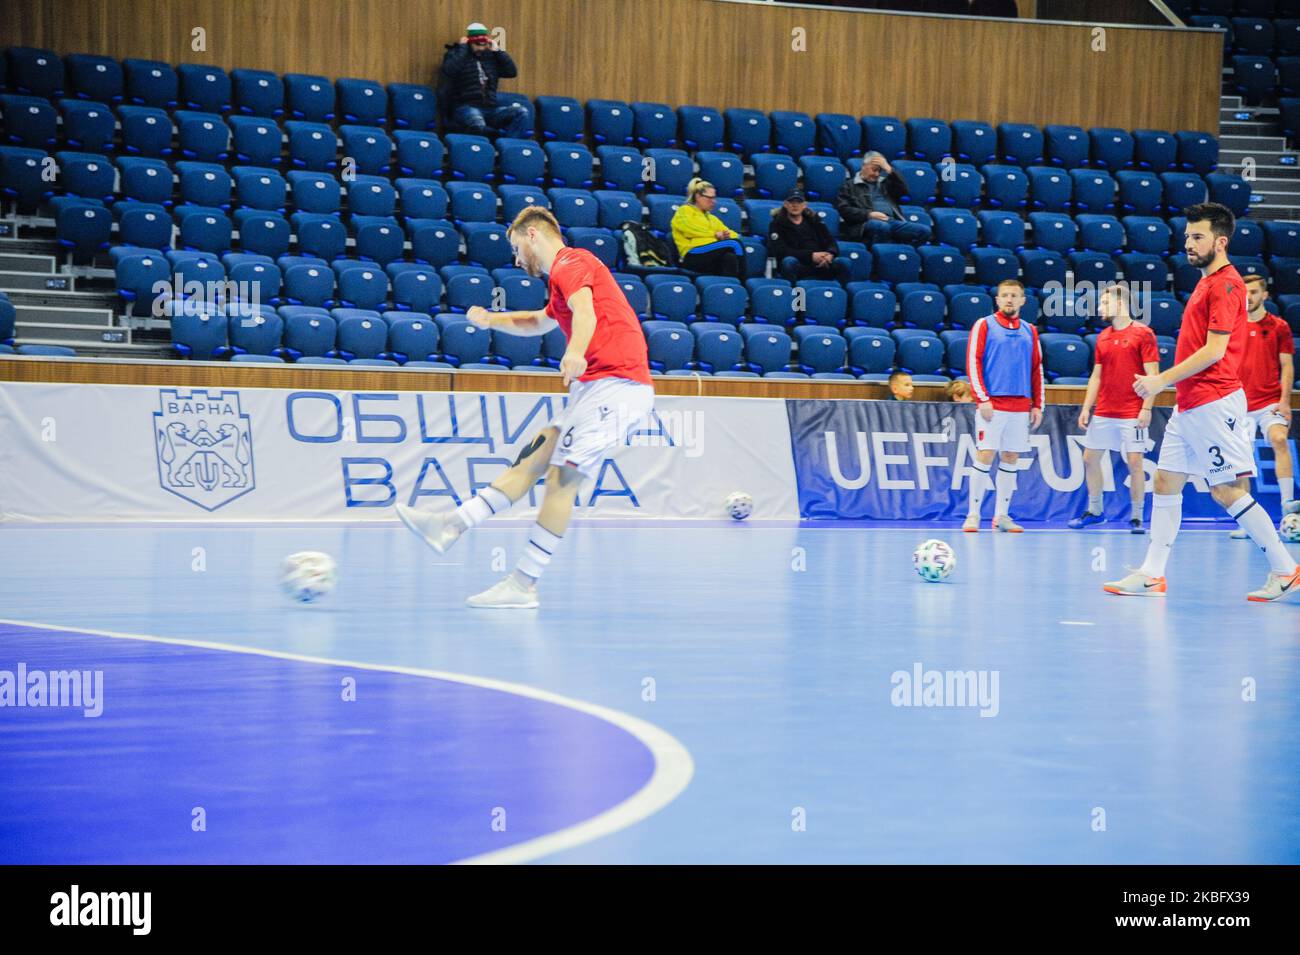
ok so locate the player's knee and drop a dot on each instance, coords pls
(1225, 494)
(1165, 484)
(562, 475)
(536, 454)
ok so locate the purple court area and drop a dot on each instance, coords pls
(415, 770)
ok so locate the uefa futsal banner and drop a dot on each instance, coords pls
(71, 452)
(911, 460)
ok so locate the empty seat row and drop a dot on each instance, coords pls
(611, 122)
(202, 87)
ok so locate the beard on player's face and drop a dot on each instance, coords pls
(1200, 259)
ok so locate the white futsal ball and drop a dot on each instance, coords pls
(1290, 529)
(308, 575)
(739, 505)
(934, 560)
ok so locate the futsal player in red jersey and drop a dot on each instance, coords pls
(1116, 418)
(1268, 374)
(610, 395)
(1209, 433)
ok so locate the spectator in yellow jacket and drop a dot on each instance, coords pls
(704, 243)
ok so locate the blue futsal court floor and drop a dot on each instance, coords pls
(687, 694)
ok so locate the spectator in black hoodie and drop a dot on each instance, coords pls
(471, 69)
(868, 205)
(802, 245)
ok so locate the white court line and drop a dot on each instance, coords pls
(673, 764)
(598, 523)
(1077, 623)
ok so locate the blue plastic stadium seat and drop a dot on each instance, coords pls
(258, 93)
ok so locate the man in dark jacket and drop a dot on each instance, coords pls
(802, 245)
(868, 205)
(470, 70)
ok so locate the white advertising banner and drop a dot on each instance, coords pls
(73, 452)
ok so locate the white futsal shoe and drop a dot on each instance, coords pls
(1276, 586)
(1137, 584)
(1239, 535)
(506, 594)
(435, 530)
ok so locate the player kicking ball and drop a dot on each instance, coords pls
(1267, 374)
(1116, 419)
(610, 396)
(1005, 367)
(1209, 434)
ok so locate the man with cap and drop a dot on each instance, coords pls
(802, 245)
(470, 71)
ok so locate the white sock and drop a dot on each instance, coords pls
(1286, 485)
(1094, 504)
(538, 552)
(1006, 487)
(979, 483)
(1166, 516)
(483, 505)
(1137, 494)
(1255, 521)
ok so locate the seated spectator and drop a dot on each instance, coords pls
(900, 386)
(704, 243)
(868, 205)
(959, 391)
(802, 245)
(471, 68)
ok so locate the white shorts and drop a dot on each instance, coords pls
(1214, 441)
(1008, 431)
(1116, 434)
(597, 421)
(1264, 419)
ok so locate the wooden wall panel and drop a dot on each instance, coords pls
(708, 52)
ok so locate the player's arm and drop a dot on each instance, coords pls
(1037, 386)
(574, 363)
(1144, 416)
(525, 323)
(1151, 368)
(1287, 361)
(1215, 347)
(1090, 396)
(975, 369)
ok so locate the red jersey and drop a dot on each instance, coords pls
(617, 348)
(1261, 369)
(1218, 304)
(976, 372)
(1121, 354)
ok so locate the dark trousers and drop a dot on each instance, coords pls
(716, 262)
(792, 270)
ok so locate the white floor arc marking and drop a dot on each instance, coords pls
(673, 764)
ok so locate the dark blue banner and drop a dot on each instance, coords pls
(911, 460)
